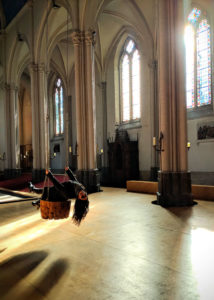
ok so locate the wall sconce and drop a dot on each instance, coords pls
(70, 149)
(53, 156)
(101, 151)
(3, 156)
(158, 147)
(188, 145)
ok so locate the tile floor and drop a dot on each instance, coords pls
(126, 248)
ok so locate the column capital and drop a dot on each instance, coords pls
(33, 67)
(41, 68)
(90, 37)
(13, 87)
(30, 3)
(37, 67)
(9, 87)
(77, 37)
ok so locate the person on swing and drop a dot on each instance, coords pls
(64, 191)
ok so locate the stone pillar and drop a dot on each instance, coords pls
(85, 109)
(12, 125)
(174, 179)
(77, 38)
(39, 121)
(104, 102)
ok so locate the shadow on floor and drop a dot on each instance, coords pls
(16, 268)
(47, 280)
(183, 213)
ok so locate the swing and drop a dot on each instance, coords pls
(54, 209)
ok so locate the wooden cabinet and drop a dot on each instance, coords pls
(123, 159)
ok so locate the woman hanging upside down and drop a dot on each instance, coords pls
(64, 191)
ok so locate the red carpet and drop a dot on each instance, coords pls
(21, 183)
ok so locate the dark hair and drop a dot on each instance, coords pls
(81, 208)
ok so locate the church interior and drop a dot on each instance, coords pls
(122, 93)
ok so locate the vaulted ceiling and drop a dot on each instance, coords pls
(10, 9)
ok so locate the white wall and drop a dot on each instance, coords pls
(201, 153)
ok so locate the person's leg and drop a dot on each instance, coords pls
(33, 189)
(70, 174)
(73, 177)
(59, 187)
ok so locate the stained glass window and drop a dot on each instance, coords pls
(59, 114)
(194, 15)
(190, 53)
(130, 82)
(125, 88)
(203, 64)
(198, 60)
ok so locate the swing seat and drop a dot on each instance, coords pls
(54, 210)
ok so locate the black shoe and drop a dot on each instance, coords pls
(30, 186)
(36, 203)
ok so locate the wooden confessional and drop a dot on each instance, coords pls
(123, 159)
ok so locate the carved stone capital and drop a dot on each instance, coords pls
(30, 3)
(41, 68)
(6, 86)
(33, 67)
(77, 37)
(13, 87)
(37, 67)
(90, 37)
(10, 87)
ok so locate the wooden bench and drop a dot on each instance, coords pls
(200, 192)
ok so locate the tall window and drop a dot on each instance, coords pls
(130, 82)
(58, 105)
(198, 60)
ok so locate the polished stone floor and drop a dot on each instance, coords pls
(126, 248)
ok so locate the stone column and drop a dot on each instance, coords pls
(174, 179)
(39, 120)
(12, 122)
(85, 109)
(90, 100)
(104, 102)
(77, 38)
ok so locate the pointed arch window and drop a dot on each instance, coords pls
(130, 82)
(198, 60)
(58, 108)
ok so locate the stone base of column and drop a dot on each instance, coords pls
(12, 173)
(174, 189)
(90, 179)
(38, 175)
